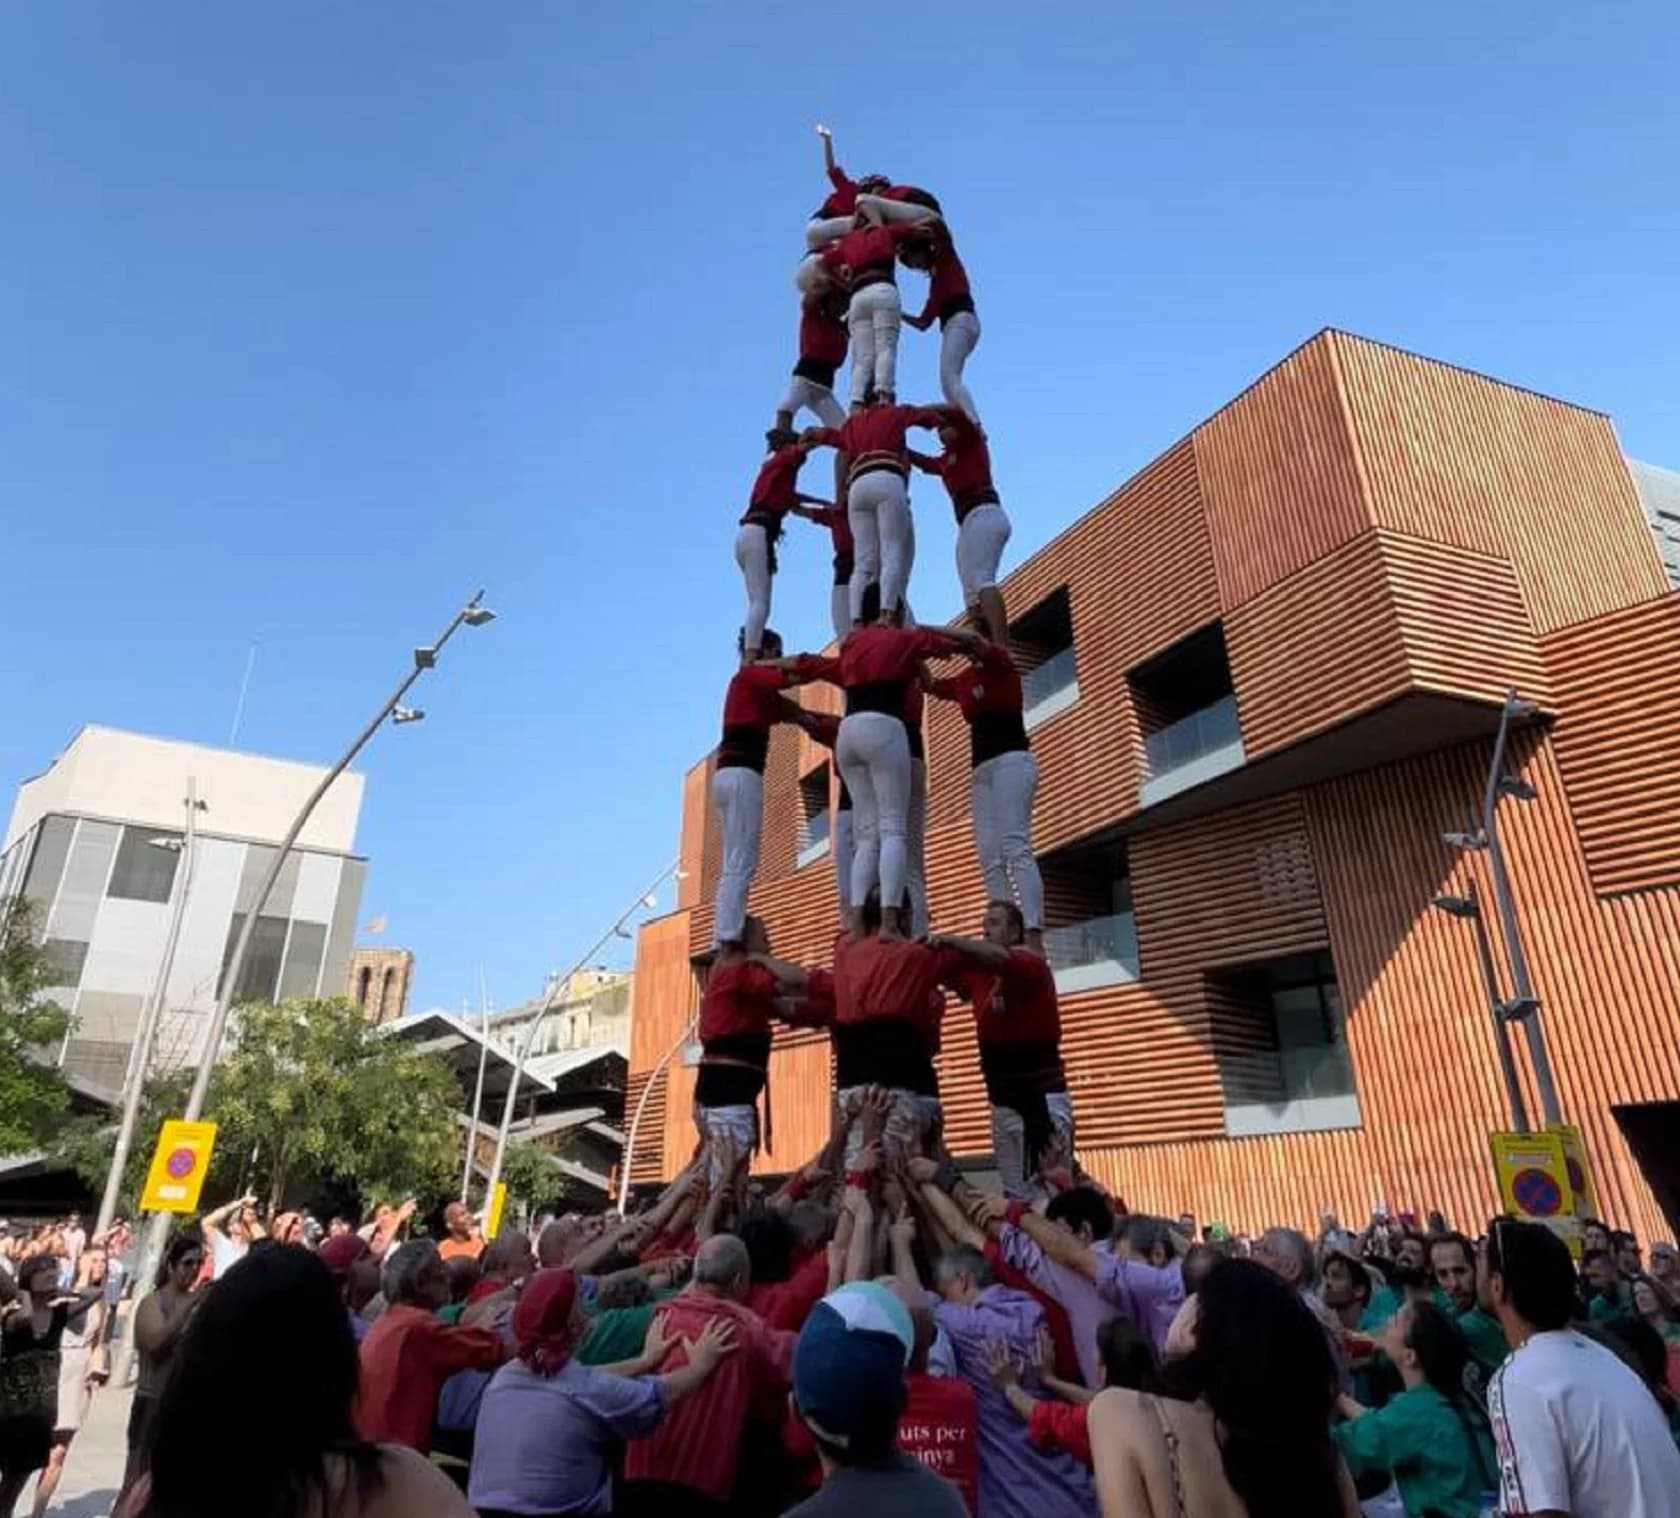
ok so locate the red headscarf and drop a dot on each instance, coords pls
(542, 1320)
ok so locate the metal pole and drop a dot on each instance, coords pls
(478, 1090)
(157, 1227)
(530, 1037)
(1501, 1029)
(1522, 986)
(140, 1054)
(636, 1120)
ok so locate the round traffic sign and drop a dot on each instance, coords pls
(1537, 1193)
(182, 1162)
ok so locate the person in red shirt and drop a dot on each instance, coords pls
(876, 665)
(689, 1465)
(838, 522)
(864, 261)
(982, 524)
(822, 350)
(1012, 990)
(937, 1426)
(951, 300)
(874, 441)
(752, 705)
(835, 216)
(897, 204)
(408, 1353)
(1003, 781)
(735, 1015)
(774, 494)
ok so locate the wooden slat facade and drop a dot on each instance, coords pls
(1362, 524)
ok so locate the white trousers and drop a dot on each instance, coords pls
(738, 799)
(1009, 1146)
(845, 851)
(807, 395)
(737, 1124)
(752, 554)
(878, 508)
(980, 543)
(904, 212)
(1003, 789)
(873, 321)
(910, 1119)
(840, 608)
(873, 752)
(956, 342)
(915, 841)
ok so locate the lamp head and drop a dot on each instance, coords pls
(1517, 707)
(477, 616)
(1457, 906)
(402, 714)
(1474, 840)
(1517, 788)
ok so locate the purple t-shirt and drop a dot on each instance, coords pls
(545, 1443)
(1150, 1295)
(1016, 1480)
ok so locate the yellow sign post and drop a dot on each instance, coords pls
(1533, 1171)
(1580, 1172)
(493, 1213)
(179, 1165)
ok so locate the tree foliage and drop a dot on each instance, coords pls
(34, 1100)
(531, 1175)
(311, 1090)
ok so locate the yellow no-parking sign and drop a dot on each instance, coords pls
(179, 1165)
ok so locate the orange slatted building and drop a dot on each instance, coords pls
(1263, 679)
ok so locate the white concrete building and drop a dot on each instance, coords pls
(94, 844)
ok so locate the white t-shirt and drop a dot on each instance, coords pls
(224, 1255)
(1577, 1432)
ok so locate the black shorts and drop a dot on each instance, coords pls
(25, 1443)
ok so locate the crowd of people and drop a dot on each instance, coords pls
(878, 1333)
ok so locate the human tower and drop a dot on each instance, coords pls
(882, 997)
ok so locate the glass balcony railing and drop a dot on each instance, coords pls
(813, 837)
(1105, 945)
(1042, 686)
(1195, 748)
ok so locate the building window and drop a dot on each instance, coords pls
(813, 815)
(1280, 1036)
(65, 959)
(46, 864)
(364, 983)
(1090, 935)
(145, 867)
(1042, 643)
(260, 977)
(304, 951)
(1187, 712)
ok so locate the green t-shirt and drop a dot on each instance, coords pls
(1603, 1310)
(1487, 1339)
(616, 1335)
(1385, 1302)
(1423, 1443)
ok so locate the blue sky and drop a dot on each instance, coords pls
(313, 318)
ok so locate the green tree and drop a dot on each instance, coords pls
(310, 1090)
(532, 1176)
(34, 1100)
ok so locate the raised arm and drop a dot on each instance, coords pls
(990, 956)
(791, 977)
(950, 1218)
(837, 175)
(928, 463)
(1059, 1245)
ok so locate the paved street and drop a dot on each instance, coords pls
(95, 1470)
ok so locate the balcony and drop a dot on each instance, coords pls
(1100, 951)
(813, 839)
(1049, 688)
(1206, 743)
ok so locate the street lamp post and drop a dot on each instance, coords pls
(473, 614)
(478, 1088)
(1469, 906)
(645, 899)
(1524, 1005)
(145, 1036)
(636, 1119)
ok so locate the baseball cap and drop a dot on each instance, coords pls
(848, 1366)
